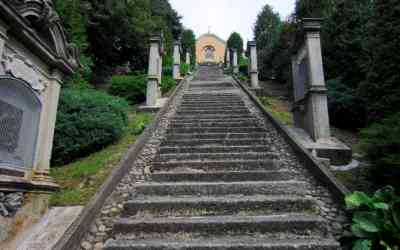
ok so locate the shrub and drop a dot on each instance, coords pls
(346, 110)
(376, 220)
(167, 83)
(184, 69)
(381, 142)
(243, 68)
(130, 87)
(87, 121)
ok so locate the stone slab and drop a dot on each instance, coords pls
(161, 103)
(46, 233)
(336, 151)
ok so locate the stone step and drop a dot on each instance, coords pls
(213, 108)
(211, 206)
(213, 117)
(197, 120)
(217, 142)
(212, 103)
(208, 130)
(227, 165)
(222, 188)
(234, 243)
(226, 176)
(214, 112)
(215, 156)
(214, 124)
(299, 224)
(213, 149)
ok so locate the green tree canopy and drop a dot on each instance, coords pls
(235, 41)
(189, 44)
(267, 30)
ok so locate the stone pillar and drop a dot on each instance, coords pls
(310, 90)
(228, 58)
(177, 60)
(235, 61)
(154, 72)
(3, 39)
(47, 125)
(253, 65)
(188, 58)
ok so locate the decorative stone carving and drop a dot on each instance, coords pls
(41, 15)
(21, 67)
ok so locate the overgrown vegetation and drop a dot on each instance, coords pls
(274, 106)
(82, 179)
(375, 220)
(130, 87)
(167, 83)
(87, 121)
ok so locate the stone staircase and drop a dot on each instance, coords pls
(216, 183)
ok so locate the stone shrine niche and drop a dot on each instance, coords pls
(20, 109)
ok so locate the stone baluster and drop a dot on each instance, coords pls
(228, 58)
(253, 65)
(177, 60)
(3, 39)
(155, 71)
(235, 61)
(308, 73)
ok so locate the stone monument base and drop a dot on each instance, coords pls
(336, 151)
(161, 103)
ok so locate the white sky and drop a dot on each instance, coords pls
(223, 17)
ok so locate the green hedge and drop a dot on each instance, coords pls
(184, 69)
(130, 87)
(87, 121)
(167, 83)
(381, 142)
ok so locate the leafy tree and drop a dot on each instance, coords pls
(235, 41)
(312, 8)
(189, 45)
(381, 90)
(267, 30)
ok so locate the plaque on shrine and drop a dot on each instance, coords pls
(20, 109)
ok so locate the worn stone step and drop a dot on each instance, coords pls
(197, 120)
(222, 188)
(234, 243)
(214, 124)
(213, 116)
(213, 108)
(212, 103)
(216, 156)
(227, 165)
(225, 176)
(213, 149)
(207, 130)
(300, 224)
(216, 142)
(230, 205)
(214, 112)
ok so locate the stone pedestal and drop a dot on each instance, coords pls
(253, 64)
(177, 61)
(153, 92)
(310, 95)
(32, 70)
(235, 61)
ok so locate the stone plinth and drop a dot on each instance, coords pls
(228, 58)
(310, 95)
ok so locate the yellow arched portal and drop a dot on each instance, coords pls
(210, 49)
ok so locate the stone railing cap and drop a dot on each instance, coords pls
(311, 24)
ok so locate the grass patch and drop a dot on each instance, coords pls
(81, 180)
(278, 109)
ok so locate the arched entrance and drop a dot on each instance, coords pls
(209, 54)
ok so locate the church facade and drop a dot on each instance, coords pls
(210, 49)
